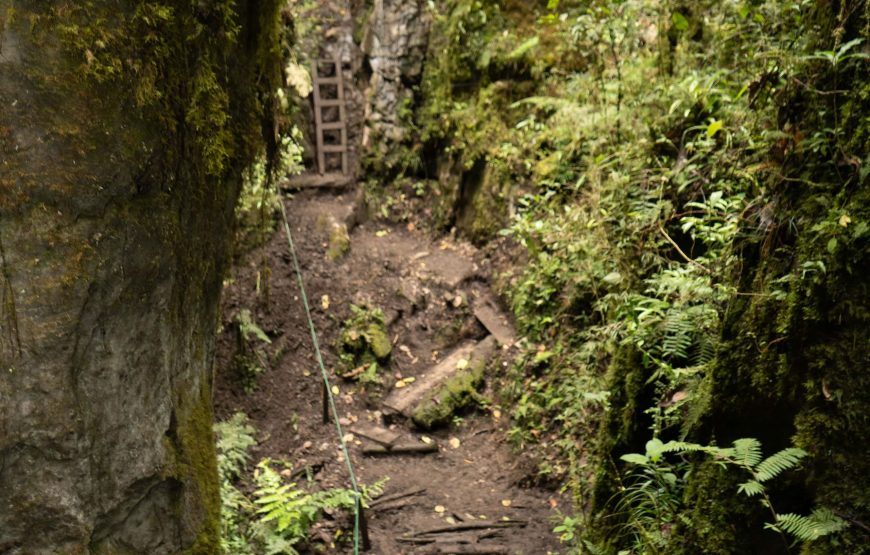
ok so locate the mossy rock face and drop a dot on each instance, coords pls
(364, 340)
(456, 394)
(124, 133)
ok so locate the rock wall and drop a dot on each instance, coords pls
(123, 135)
(394, 44)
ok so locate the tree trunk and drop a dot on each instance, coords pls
(124, 129)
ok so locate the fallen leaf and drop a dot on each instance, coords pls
(382, 233)
(454, 442)
(335, 390)
(405, 382)
(505, 502)
(554, 503)
(439, 509)
(462, 364)
(427, 440)
(450, 520)
(496, 414)
(348, 438)
(324, 302)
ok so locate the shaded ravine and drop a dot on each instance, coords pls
(427, 289)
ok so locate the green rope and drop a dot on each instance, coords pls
(356, 524)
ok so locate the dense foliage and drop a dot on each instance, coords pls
(688, 182)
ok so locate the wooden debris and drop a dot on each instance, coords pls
(406, 399)
(404, 449)
(477, 525)
(384, 499)
(316, 181)
(464, 549)
(380, 435)
(497, 323)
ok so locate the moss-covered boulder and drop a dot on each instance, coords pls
(364, 342)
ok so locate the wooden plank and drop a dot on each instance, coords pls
(330, 125)
(329, 80)
(496, 322)
(378, 434)
(404, 400)
(331, 103)
(333, 148)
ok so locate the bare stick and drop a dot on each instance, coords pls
(679, 250)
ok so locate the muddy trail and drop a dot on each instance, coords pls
(456, 475)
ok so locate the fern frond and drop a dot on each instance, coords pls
(751, 488)
(234, 437)
(746, 452)
(820, 523)
(679, 336)
(685, 447)
(779, 462)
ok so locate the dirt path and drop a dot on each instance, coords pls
(426, 290)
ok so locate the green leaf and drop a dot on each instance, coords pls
(680, 21)
(634, 458)
(524, 47)
(751, 488)
(778, 463)
(714, 128)
(654, 448)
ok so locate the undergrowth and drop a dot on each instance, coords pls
(264, 512)
(688, 183)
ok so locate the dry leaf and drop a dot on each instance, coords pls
(505, 502)
(324, 302)
(454, 442)
(462, 364)
(427, 440)
(335, 390)
(440, 509)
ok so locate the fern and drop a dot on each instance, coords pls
(234, 437)
(679, 336)
(746, 452)
(821, 522)
(779, 462)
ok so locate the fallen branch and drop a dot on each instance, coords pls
(479, 525)
(396, 496)
(466, 550)
(421, 449)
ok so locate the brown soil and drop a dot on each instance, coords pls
(415, 280)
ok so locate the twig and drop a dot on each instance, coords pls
(679, 250)
(396, 496)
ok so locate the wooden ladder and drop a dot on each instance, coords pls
(320, 103)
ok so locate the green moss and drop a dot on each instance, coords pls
(339, 241)
(457, 393)
(194, 462)
(364, 340)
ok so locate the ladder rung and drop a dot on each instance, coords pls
(326, 103)
(334, 148)
(330, 125)
(328, 80)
